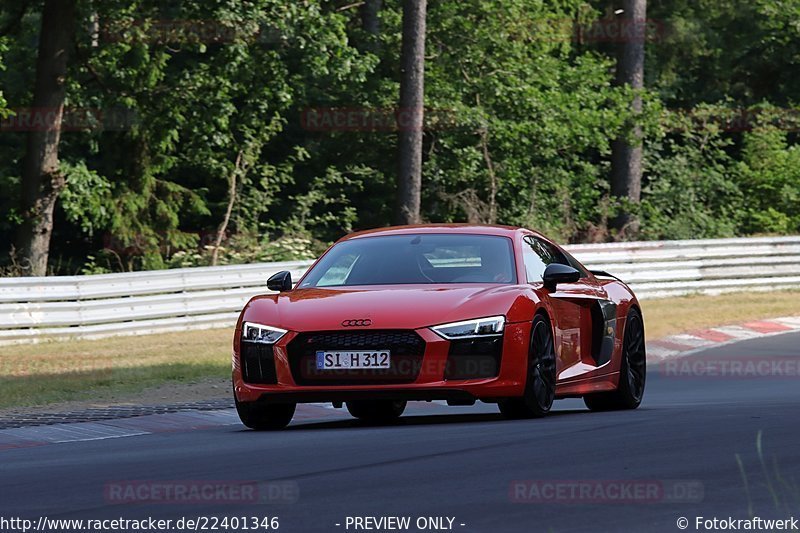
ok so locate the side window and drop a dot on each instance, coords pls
(576, 265)
(537, 255)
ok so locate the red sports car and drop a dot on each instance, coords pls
(439, 312)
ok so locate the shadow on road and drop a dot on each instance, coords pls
(424, 420)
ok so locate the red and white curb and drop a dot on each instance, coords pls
(688, 343)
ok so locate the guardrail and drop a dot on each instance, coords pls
(134, 303)
(34, 309)
(708, 266)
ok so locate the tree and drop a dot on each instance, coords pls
(3, 103)
(369, 16)
(199, 138)
(411, 113)
(626, 152)
(42, 180)
(523, 117)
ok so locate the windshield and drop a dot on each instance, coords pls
(420, 258)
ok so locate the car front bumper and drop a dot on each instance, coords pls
(428, 383)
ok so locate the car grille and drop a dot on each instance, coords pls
(258, 364)
(407, 349)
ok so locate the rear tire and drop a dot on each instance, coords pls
(265, 417)
(376, 412)
(632, 372)
(540, 382)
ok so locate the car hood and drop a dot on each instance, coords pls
(397, 307)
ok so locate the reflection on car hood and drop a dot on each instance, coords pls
(394, 307)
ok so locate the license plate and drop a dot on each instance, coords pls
(337, 360)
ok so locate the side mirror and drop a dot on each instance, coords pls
(556, 273)
(282, 281)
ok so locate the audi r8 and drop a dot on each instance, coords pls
(456, 313)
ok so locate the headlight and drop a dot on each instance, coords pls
(261, 334)
(479, 327)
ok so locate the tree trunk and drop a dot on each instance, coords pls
(626, 152)
(369, 17)
(411, 113)
(41, 180)
(223, 227)
(487, 158)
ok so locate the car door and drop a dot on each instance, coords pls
(572, 304)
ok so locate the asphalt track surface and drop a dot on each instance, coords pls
(463, 462)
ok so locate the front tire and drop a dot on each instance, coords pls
(540, 382)
(632, 372)
(377, 412)
(265, 417)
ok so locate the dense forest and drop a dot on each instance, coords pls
(226, 131)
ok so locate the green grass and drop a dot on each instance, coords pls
(678, 315)
(51, 372)
(101, 385)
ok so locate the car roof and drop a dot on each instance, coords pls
(463, 229)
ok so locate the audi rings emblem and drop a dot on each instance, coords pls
(361, 322)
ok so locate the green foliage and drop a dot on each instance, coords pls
(86, 197)
(711, 50)
(529, 107)
(690, 188)
(248, 249)
(325, 206)
(93, 266)
(769, 177)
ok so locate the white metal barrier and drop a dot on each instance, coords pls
(709, 266)
(35, 309)
(134, 303)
